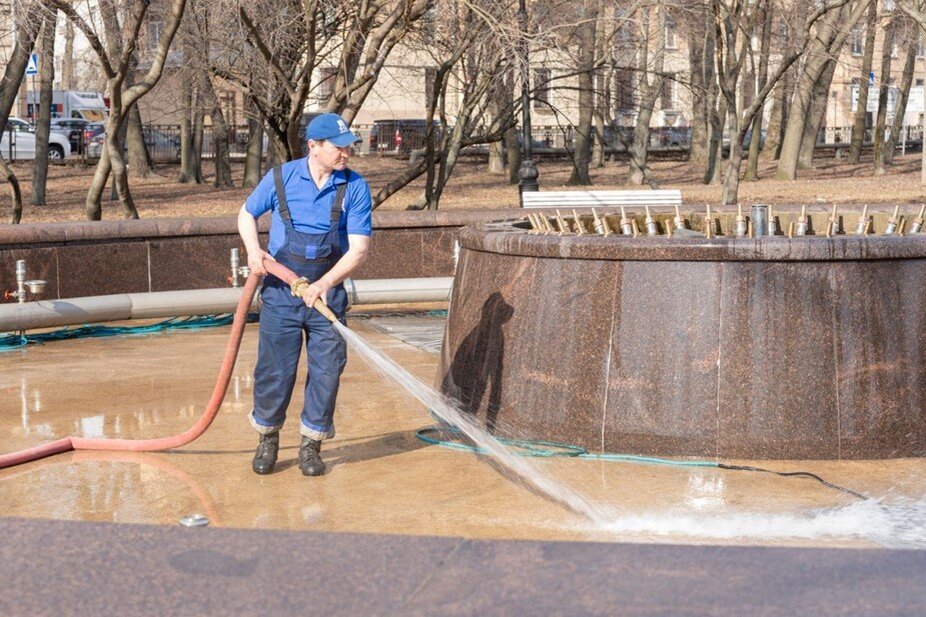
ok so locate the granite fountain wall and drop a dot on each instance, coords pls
(109, 257)
(766, 348)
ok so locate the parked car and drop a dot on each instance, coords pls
(398, 137)
(73, 128)
(17, 142)
(160, 145)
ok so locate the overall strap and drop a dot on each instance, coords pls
(281, 196)
(339, 200)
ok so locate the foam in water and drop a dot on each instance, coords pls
(894, 525)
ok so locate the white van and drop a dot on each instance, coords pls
(17, 143)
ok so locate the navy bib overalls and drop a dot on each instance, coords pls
(285, 319)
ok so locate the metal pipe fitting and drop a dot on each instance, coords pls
(802, 224)
(651, 228)
(21, 280)
(892, 223)
(626, 227)
(235, 261)
(678, 220)
(917, 224)
(759, 216)
(862, 227)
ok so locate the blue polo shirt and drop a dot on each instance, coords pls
(310, 207)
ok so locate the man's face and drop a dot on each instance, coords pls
(329, 156)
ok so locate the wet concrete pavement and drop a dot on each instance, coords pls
(381, 478)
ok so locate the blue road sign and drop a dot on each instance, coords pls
(33, 67)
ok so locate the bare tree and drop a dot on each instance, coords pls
(884, 92)
(122, 95)
(735, 23)
(828, 36)
(587, 44)
(277, 58)
(861, 112)
(649, 86)
(27, 24)
(46, 50)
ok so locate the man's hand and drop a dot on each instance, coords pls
(256, 261)
(316, 291)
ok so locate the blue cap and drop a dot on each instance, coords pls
(331, 127)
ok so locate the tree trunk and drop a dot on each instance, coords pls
(698, 78)
(46, 51)
(583, 149)
(731, 178)
(900, 110)
(513, 152)
(815, 116)
(779, 116)
(67, 62)
(255, 153)
(883, 92)
(639, 172)
(187, 171)
(831, 34)
(223, 177)
(140, 165)
(861, 111)
(752, 164)
(196, 166)
(27, 29)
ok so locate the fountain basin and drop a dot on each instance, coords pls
(759, 348)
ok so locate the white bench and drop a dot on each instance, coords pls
(591, 199)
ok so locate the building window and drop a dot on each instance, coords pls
(541, 88)
(857, 40)
(671, 34)
(430, 76)
(326, 79)
(668, 92)
(919, 45)
(623, 90)
(888, 5)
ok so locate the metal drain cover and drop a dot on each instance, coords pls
(194, 520)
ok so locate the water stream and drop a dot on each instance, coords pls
(896, 525)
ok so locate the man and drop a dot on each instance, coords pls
(320, 229)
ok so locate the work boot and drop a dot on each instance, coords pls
(266, 456)
(309, 460)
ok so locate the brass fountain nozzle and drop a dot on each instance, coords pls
(892, 222)
(626, 227)
(862, 228)
(651, 228)
(740, 228)
(801, 228)
(579, 225)
(918, 221)
(833, 227)
(678, 220)
(601, 224)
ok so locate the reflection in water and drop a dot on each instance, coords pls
(704, 491)
(102, 487)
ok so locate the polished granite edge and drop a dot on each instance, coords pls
(80, 568)
(512, 239)
(37, 233)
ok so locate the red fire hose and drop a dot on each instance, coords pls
(212, 408)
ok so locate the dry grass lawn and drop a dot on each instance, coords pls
(830, 182)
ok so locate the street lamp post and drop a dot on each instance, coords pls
(527, 173)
